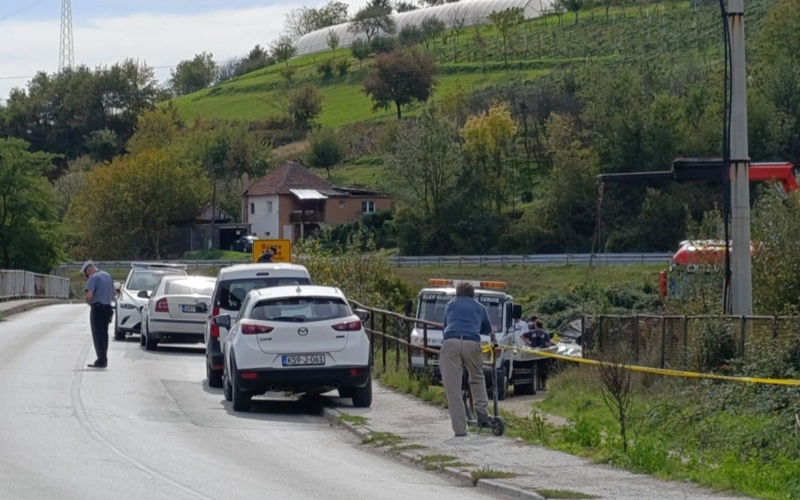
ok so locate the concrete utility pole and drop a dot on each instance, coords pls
(741, 265)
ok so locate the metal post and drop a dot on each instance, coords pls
(425, 344)
(685, 341)
(741, 265)
(636, 339)
(383, 342)
(409, 350)
(743, 337)
(663, 342)
(372, 338)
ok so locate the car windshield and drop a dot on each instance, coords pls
(431, 308)
(300, 309)
(233, 292)
(190, 286)
(146, 279)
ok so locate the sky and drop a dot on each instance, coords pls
(158, 32)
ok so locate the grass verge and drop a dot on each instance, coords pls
(489, 473)
(352, 419)
(564, 494)
(381, 439)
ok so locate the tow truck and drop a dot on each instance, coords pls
(512, 367)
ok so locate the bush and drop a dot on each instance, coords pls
(382, 44)
(360, 49)
(715, 346)
(342, 65)
(325, 150)
(325, 68)
(305, 105)
(287, 73)
(410, 35)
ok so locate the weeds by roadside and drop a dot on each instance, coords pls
(488, 473)
(564, 495)
(352, 419)
(381, 439)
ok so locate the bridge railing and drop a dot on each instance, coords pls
(16, 284)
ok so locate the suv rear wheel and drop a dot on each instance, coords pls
(362, 396)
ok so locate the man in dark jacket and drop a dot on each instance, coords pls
(268, 254)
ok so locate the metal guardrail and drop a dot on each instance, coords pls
(616, 259)
(25, 285)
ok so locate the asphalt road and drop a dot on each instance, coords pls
(149, 427)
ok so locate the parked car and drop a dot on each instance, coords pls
(176, 310)
(244, 244)
(134, 293)
(301, 338)
(233, 285)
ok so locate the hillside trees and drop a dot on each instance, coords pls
(504, 22)
(193, 74)
(332, 39)
(149, 191)
(30, 236)
(304, 20)
(372, 19)
(400, 77)
(283, 49)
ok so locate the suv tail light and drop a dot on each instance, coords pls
(162, 306)
(214, 327)
(253, 329)
(350, 326)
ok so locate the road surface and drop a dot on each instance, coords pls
(149, 427)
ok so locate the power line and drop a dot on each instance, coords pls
(21, 10)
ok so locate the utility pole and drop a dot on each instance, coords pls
(66, 49)
(741, 265)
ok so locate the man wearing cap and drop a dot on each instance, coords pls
(99, 293)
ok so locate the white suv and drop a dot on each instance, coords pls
(135, 292)
(296, 339)
(233, 285)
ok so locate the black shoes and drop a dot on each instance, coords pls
(98, 364)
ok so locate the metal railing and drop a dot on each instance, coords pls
(442, 260)
(686, 342)
(25, 285)
(389, 330)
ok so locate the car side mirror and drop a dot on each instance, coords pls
(509, 315)
(409, 306)
(362, 315)
(117, 286)
(516, 313)
(223, 321)
(143, 294)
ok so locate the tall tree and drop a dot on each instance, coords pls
(304, 20)
(283, 49)
(431, 28)
(194, 74)
(575, 7)
(403, 6)
(456, 20)
(400, 77)
(30, 236)
(504, 22)
(333, 41)
(373, 19)
(156, 128)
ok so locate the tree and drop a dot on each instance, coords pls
(30, 236)
(431, 27)
(102, 145)
(257, 58)
(400, 77)
(575, 7)
(156, 128)
(149, 192)
(194, 74)
(504, 22)
(305, 105)
(403, 6)
(325, 150)
(371, 20)
(360, 50)
(409, 35)
(304, 20)
(333, 41)
(456, 20)
(382, 44)
(283, 49)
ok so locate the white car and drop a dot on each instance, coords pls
(134, 293)
(233, 285)
(176, 310)
(296, 339)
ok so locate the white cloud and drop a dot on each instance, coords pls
(159, 39)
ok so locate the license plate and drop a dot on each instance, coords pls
(304, 360)
(189, 309)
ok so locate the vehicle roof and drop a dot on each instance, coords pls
(452, 291)
(277, 292)
(158, 265)
(172, 277)
(251, 270)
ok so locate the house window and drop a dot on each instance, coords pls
(367, 207)
(269, 207)
(252, 208)
(341, 204)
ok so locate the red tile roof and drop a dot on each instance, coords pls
(290, 175)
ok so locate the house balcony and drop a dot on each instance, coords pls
(307, 216)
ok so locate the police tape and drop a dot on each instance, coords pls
(654, 371)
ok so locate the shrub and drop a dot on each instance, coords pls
(360, 50)
(410, 35)
(304, 106)
(382, 44)
(325, 150)
(342, 65)
(287, 73)
(325, 68)
(715, 345)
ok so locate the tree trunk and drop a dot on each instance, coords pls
(399, 116)
(576, 16)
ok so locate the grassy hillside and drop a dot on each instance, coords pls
(536, 48)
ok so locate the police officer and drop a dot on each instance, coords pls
(99, 293)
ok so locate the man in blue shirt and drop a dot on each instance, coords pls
(465, 320)
(99, 292)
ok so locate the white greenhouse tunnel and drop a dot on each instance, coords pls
(472, 11)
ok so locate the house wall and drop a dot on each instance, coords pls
(263, 223)
(343, 210)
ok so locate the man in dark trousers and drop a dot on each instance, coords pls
(99, 294)
(465, 320)
(538, 338)
(268, 254)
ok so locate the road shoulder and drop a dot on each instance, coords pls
(12, 307)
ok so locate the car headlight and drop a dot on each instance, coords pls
(126, 306)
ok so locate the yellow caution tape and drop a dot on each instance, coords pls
(658, 371)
